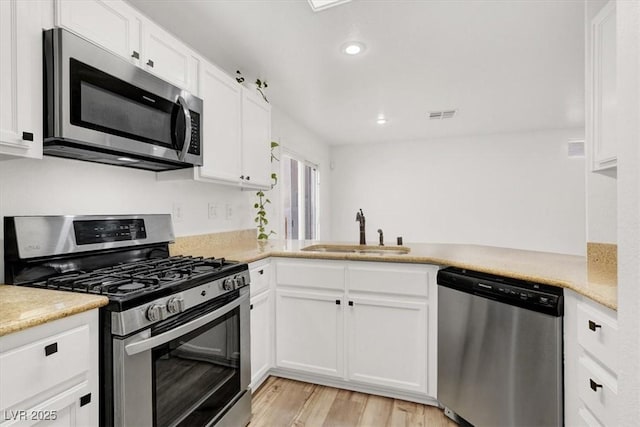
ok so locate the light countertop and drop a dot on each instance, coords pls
(22, 307)
(567, 271)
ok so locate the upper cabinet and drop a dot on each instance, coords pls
(602, 85)
(121, 29)
(256, 140)
(21, 78)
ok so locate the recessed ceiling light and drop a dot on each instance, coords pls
(381, 120)
(353, 48)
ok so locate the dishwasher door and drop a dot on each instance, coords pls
(499, 364)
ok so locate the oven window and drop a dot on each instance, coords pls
(102, 102)
(197, 375)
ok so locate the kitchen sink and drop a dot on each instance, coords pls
(358, 249)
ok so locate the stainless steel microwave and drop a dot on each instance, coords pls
(101, 108)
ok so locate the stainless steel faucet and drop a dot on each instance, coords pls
(360, 219)
(381, 237)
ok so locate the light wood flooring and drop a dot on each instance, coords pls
(281, 402)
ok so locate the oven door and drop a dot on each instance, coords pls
(189, 370)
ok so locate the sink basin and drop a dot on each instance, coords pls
(359, 249)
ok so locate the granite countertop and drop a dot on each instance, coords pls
(567, 271)
(22, 307)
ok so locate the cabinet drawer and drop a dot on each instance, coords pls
(310, 274)
(29, 370)
(598, 334)
(598, 390)
(260, 278)
(400, 279)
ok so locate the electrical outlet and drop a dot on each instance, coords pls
(212, 210)
(177, 212)
(228, 212)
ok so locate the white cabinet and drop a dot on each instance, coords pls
(165, 56)
(602, 115)
(118, 27)
(367, 325)
(387, 342)
(113, 25)
(221, 126)
(50, 373)
(21, 78)
(256, 140)
(261, 322)
(591, 364)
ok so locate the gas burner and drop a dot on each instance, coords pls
(131, 287)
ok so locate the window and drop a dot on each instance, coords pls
(300, 198)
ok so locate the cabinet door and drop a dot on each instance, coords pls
(113, 25)
(604, 117)
(168, 58)
(261, 338)
(309, 332)
(20, 78)
(222, 98)
(256, 140)
(387, 342)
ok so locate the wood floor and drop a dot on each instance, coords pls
(282, 403)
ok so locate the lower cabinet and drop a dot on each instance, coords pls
(363, 325)
(50, 373)
(387, 342)
(262, 337)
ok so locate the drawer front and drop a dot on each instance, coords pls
(34, 368)
(310, 274)
(598, 390)
(399, 279)
(598, 334)
(260, 278)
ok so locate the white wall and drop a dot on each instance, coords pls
(54, 186)
(511, 190)
(628, 79)
(300, 141)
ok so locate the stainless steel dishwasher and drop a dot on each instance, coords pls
(499, 350)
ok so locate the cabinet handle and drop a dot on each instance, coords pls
(135, 55)
(241, 176)
(27, 136)
(593, 325)
(51, 349)
(350, 303)
(85, 400)
(250, 306)
(594, 385)
(248, 178)
(337, 302)
(150, 63)
(261, 271)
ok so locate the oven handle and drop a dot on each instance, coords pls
(149, 343)
(187, 127)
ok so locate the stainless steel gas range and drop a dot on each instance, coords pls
(175, 334)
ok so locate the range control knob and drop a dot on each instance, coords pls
(239, 281)
(228, 284)
(175, 305)
(156, 312)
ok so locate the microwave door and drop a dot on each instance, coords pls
(181, 127)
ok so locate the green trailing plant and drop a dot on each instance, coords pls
(260, 206)
(260, 85)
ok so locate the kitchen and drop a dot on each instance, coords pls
(523, 189)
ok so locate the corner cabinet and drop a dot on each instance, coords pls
(21, 78)
(50, 373)
(602, 116)
(362, 326)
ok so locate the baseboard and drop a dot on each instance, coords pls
(348, 385)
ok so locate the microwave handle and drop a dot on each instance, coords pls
(149, 343)
(187, 128)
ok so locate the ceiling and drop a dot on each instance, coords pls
(505, 66)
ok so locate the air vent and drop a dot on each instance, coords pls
(439, 115)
